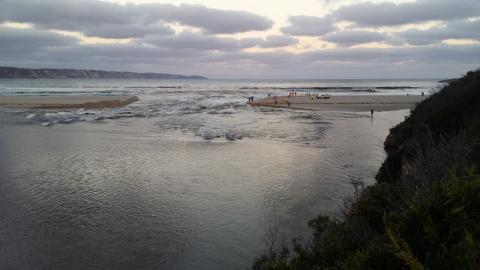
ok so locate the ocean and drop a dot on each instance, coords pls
(189, 177)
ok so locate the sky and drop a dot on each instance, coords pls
(271, 39)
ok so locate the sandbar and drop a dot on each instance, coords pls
(65, 102)
(342, 103)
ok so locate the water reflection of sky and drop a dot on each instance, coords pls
(174, 192)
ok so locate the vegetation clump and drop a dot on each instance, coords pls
(424, 210)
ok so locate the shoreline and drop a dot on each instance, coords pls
(362, 103)
(65, 102)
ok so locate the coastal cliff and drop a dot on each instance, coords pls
(46, 73)
(455, 108)
(424, 210)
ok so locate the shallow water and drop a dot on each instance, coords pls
(194, 185)
(176, 100)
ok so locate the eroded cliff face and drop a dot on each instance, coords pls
(26, 73)
(449, 114)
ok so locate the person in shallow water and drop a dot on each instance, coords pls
(371, 112)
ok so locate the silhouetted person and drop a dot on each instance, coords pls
(371, 112)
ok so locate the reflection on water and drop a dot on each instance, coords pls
(188, 178)
(142, 193)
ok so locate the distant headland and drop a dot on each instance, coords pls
(49, 73)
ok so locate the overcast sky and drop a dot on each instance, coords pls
(246, 39)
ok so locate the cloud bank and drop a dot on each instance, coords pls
(88, 15)
(196, 39)
(390, 14)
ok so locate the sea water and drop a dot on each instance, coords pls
(189, 177)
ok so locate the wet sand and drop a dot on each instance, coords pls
(342, 103)
(65, 102)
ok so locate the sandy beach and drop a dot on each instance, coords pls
(65, 102)
(342, 103)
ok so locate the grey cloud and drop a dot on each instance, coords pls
(114, 31)
(466, 26)
(263, 58)
(109, 56)
(453, 30)
(65, 15)
(275, 41)
(390, 14)
(197, 41)
(213, 21)
(309, 26)
(408, 62)
(345, 61)
(90, 16)
(24, 40)
(465, 54)
(138, 53)
(354, 37)
(156, 45)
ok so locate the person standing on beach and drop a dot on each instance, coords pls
(371, 112)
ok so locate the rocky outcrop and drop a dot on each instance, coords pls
(45, 73)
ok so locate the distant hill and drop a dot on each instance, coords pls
(48, 73)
